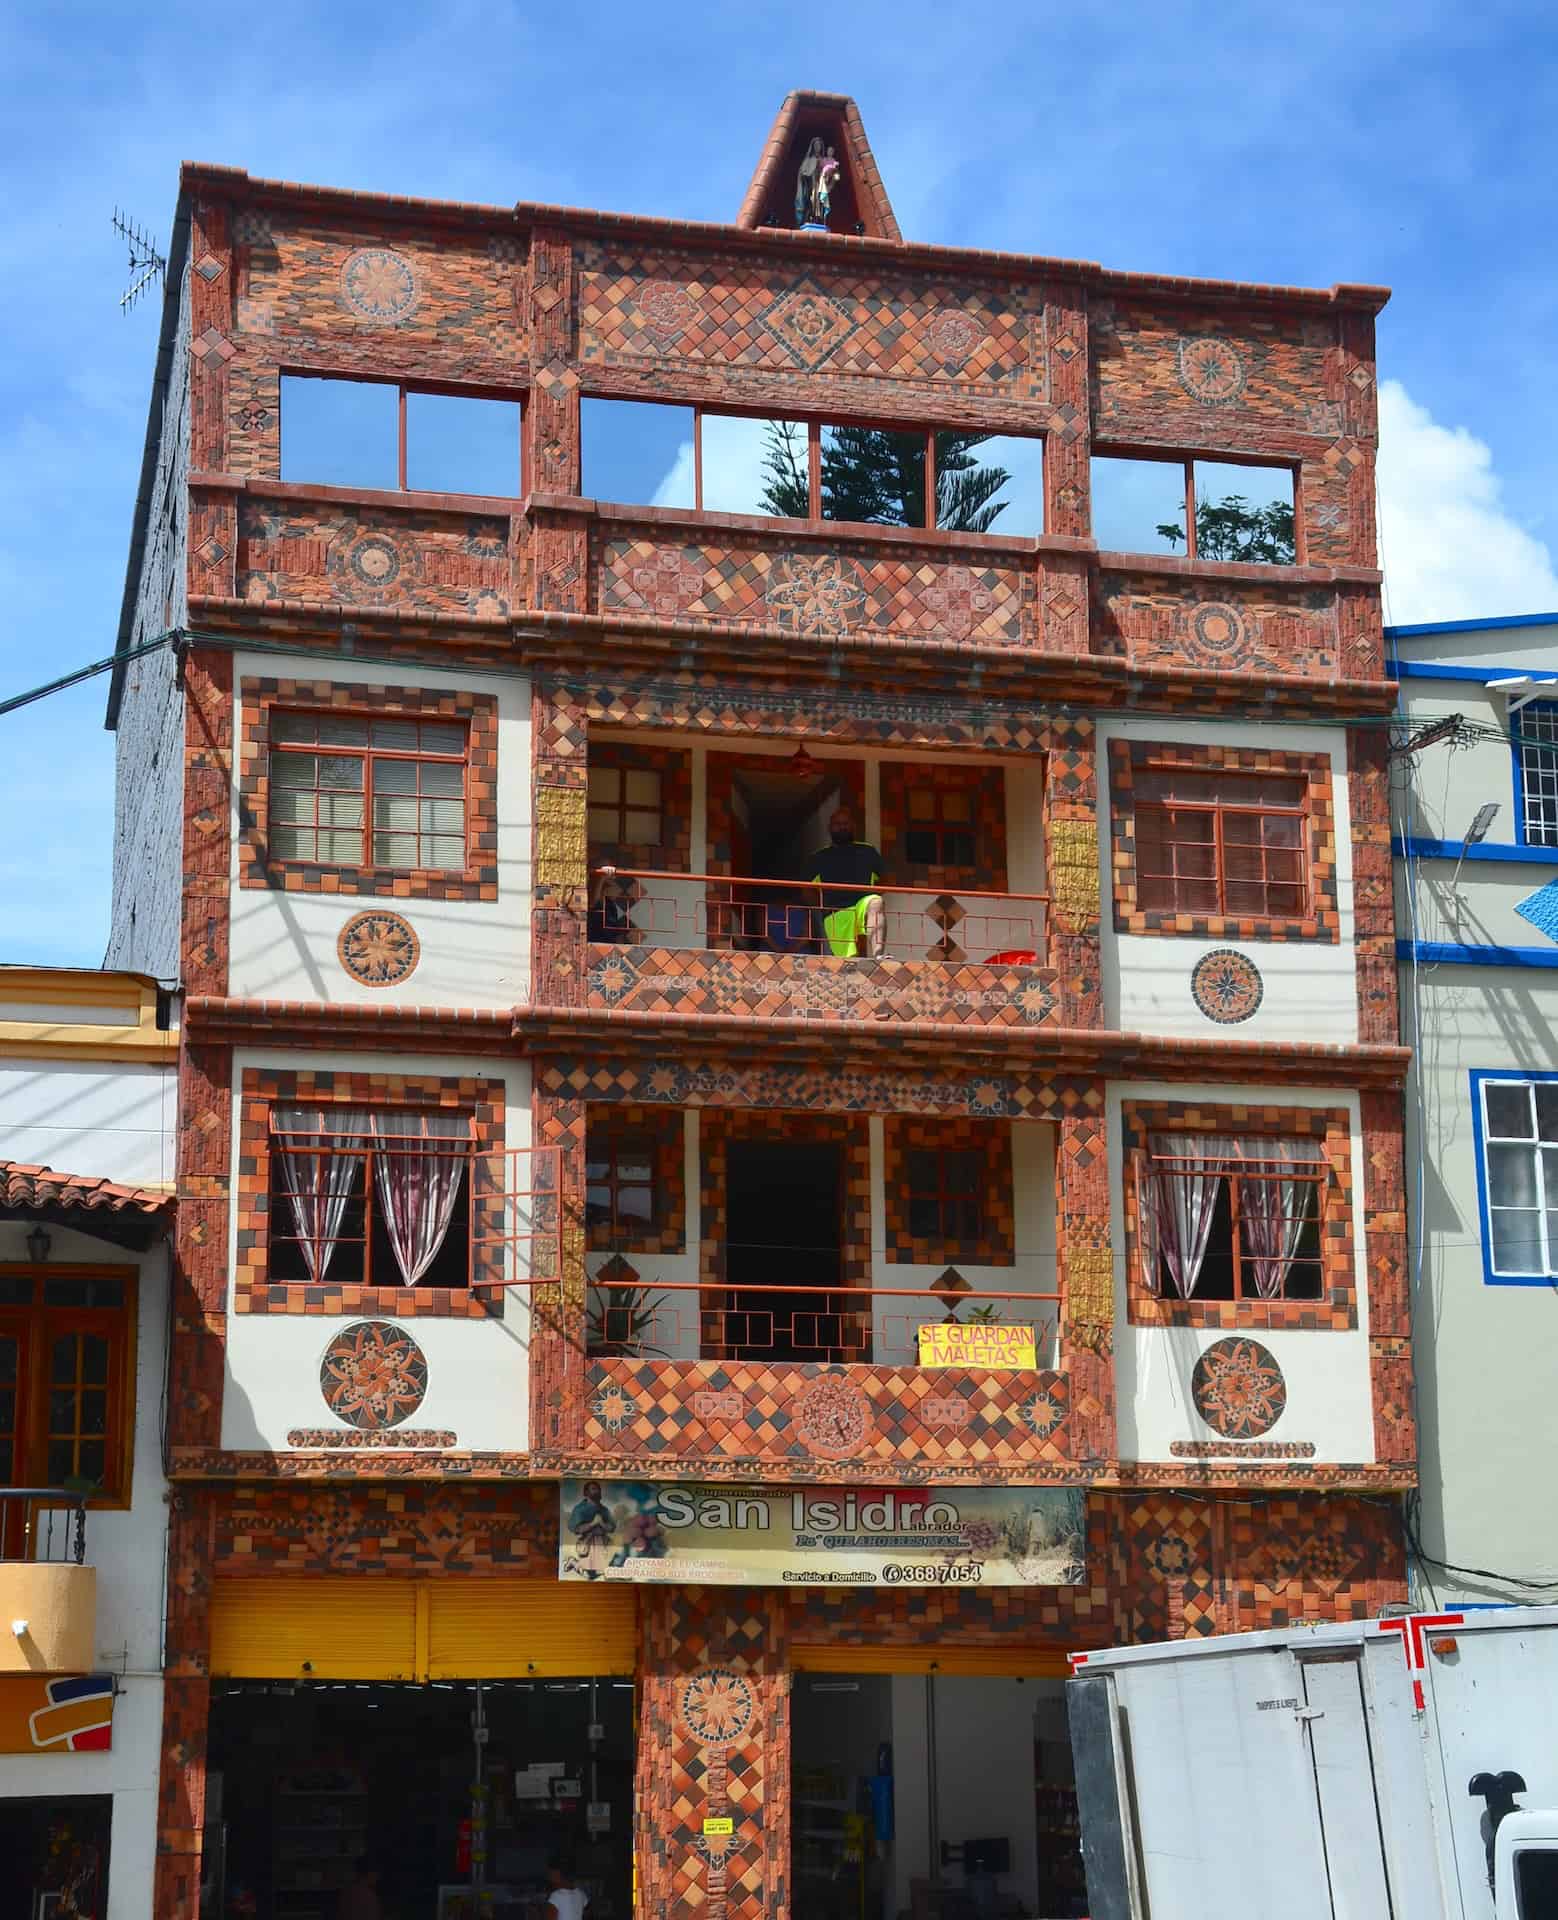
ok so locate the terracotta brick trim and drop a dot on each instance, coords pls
(257, 868)
(1129, 758)
(267, 1087)
(991, 1140)
(1336, 1309)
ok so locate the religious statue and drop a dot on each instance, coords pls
(827, 175)
(814, 184)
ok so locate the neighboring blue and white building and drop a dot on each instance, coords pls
(1476, 826)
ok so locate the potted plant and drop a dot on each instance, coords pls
(619, 1321)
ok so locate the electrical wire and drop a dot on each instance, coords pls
(173, 635)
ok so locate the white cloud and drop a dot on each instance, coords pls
(1450, 548)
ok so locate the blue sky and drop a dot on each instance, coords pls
(1403, 145)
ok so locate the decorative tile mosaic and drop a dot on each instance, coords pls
(373, 1375)
(378, 949)
(1237, 1388)
(479, 879)
(1541, 909)
(1337, 1309)
(1127, 757)
(1226, 986)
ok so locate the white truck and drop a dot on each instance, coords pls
(1394, 1769)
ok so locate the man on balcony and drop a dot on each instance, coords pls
(848, 870)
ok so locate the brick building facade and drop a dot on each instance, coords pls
(1132, 808)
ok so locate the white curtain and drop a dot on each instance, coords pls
(418, 1184)
(1181, 1201)
(1274, 1212)
(319, 1182)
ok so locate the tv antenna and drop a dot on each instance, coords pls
(146, 263)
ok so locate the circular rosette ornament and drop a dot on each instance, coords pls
(716, 1707)
(373, 1375)
(1238, 1389)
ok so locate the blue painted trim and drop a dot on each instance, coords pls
(1489, 1277)
(1476, 626)
(1437, 953)
(1418, 849)
(1430, 670)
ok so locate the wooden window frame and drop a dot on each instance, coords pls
(943, 1197)
(36, 1326)
(612, 1145)
(435, 389)
(620, 837)
(369, 753)
(1220, 810)
(278, 1201)
(1312, 1173)
(939, 827)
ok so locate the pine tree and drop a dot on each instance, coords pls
(1231, 529)
(874, 475)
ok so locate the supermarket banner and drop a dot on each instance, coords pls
(714, 1534)
(72, 1713)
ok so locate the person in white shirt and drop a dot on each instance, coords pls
(566, 1900)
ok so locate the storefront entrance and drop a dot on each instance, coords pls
(308, 1782)
(932, 1795)
(54, 1857)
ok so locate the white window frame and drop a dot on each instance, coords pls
(1548, 1267)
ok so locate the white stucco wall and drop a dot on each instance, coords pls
(108, 1122)
(474, 953)
(1310, 990)
(478, 1369)
(1329, 1402)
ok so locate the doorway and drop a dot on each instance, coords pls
(784, 1228)
(54, 1856)
(773, 821)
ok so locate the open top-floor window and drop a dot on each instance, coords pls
(1232, 1218)
(1202, 508)
(370, 1197)
(863, 473)
(380, 434)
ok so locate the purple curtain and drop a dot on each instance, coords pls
(417, 1188)
(319, 1183)
(1273, 1212)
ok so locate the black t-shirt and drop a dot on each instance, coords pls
(856, 864)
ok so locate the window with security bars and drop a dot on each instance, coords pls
(354, 791)
(1520, 1168)
(1536, 738)
(1221, 843)
(624, 806)
(946, 1196)
(64, 1345)
(939, 828)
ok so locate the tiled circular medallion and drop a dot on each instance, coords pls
(1219, 630)
(716, 1706)
(832, 1417)
(1226, 986)
(373, 1375)
(1238, 1389)
(378, 949)
(1210, 370)
(378, 284)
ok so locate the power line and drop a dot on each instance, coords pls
(174, 634)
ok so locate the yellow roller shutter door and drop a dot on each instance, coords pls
(1027, 1663)
(379, 1627)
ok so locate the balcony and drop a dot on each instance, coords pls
(701, 943)
(703, 1372)
(48, 1594)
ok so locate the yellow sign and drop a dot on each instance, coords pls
(977, 1343)
(714, 1829)
(72, 1713)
